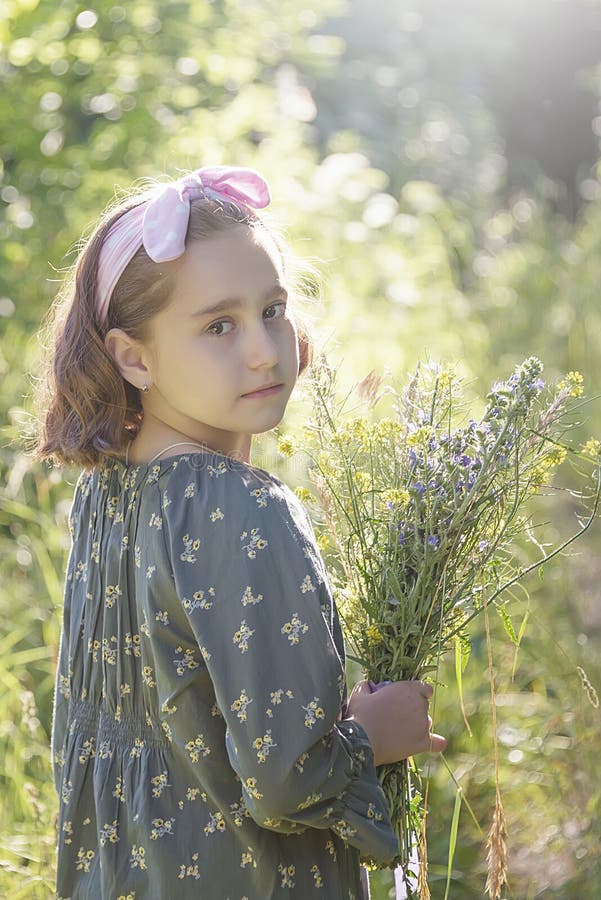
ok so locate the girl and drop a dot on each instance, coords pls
(202, 742)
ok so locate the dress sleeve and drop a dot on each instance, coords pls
(252, 584)
(62, 684)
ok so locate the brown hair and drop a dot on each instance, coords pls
(85, 411)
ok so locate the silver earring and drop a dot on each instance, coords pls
(145, 388)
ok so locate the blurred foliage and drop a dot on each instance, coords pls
(438, 164)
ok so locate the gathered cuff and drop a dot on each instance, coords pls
(362, 816)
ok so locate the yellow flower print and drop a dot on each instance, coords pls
(136, 750)
(251, 786)
(81, 571)
(112, 593)
(185, 660)
(197, 748)
(247, 859)
(64, 687)
(216, 823)
(313, 712)
(105, 751)
(88, 750)
(263, 746)
(147, 676)
(190, 490)
(317, 878)
(287, 873)
(255, 543)
(131, 644)
(294, 629)
(161, 827)
(84, 859)
(241, 637)
(159, 783)
(109, 654)
(260, 494)
(372, 813)
(162, 616)
(137, 858)
(109, 833)
(247, 597)
(218, 471)
(216, 515)
(119, 792)
(66, 791)
(199, 600)
(331, 849)
(240, 704)
(343, 829)
(307, 584)
(68, 831)
(190, 871)
(300, 762)
(239, 812)
(191, 545)
(155, 521)
(310, 800)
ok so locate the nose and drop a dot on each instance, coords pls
(261, 350)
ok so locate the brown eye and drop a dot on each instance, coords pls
(217, 328)
(276, 310)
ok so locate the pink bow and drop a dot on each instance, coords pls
(160, 223)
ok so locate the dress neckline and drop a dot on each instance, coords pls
(202, 447)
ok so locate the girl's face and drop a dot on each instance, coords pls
(223, 354)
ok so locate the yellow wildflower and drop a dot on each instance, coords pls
(555, 456)
(303, 494)
(286, 445)
(355, 431)
(396, 496)
(420, 436)
(363, 481)
(387, 429)
(323, 541)
(573, 383)
(592, 448)
(373, 635)
(445, 378)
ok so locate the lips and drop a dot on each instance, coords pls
(264, 389)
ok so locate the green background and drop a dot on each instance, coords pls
(438, 166)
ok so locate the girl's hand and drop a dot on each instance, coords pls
(395, 718)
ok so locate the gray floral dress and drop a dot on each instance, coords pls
(199, 743)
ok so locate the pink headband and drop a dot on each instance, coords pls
(160, 223)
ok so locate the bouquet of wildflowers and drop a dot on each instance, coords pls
(422, 515)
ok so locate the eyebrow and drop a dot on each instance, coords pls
(236, 302)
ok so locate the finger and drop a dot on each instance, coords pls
(436, 743)
(425, 689)
(362, 687)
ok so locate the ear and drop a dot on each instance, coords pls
(129, 356)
